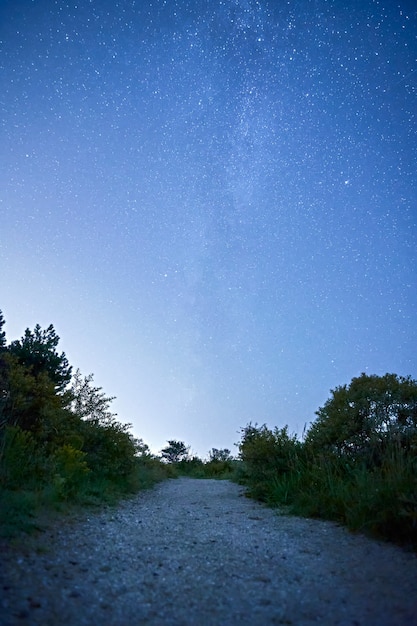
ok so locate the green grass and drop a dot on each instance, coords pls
(377, 501)
(373, 493)
(25, 510)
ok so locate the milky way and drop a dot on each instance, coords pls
(214, 202)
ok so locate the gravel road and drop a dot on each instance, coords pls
(197, 552)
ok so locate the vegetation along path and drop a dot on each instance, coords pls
(198, 552)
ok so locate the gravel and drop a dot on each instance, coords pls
(197, 552)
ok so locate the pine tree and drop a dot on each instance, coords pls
(37, 351)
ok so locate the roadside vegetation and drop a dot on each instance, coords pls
(356, 465)
(220, 463)
(60, 444)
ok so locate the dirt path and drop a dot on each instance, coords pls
(196, 552)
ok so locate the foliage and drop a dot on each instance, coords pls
(142, 449)
(189, 466)
(89, 402)
(21, 462)
(221, 456)
(2, 332)
(25, 397)
(61, 443)
(361, 419)
(175, 452)
(266, 454)
(59, 440)
(36, 350)
(357, 464)
(176, 456)
(110, 448)
(220, 464)
(70, 470)
(219, 469)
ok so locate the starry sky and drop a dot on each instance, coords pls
(213, 201)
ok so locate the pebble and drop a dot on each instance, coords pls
(194, 552)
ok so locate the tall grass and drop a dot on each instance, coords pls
(379, 499)
(33, 482)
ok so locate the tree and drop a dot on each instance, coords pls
(216, 455)
(89, 402)
(2, 332)
(33, 379)
(3, 370)
(62, 434)
(361, 418)
(175, 451)
(110, 447)
(37, 351)
(26, 399)
(143, 451)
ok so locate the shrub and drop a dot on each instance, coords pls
(70, 471)
(357, 465)
(110, 449)
(21, 462)
(266, 454)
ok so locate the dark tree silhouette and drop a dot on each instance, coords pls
(175, 451)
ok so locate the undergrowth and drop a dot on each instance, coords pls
(22, 507)
(380, 501)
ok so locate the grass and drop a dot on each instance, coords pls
(373, 493)
(23, 511)
(379, 501)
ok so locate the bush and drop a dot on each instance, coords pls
(357, 465)
(380, 501)
(70, 471)
(192, 466)
(266, 455)
(219, 469)
(21, 461)
(59, 442)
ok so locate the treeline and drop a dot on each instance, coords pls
(59, 440)
(357, 463)
(61, 443)
(220, 463)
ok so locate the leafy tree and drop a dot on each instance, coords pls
(220, 463)
(142, 449)
(175, 451)
(222, 455)
(90, 402)
(60, 442)
(110, 447)
(25, 398)
(361, 418)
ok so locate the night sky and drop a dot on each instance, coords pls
(213, 201)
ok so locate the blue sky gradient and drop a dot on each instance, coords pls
(214, 202)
